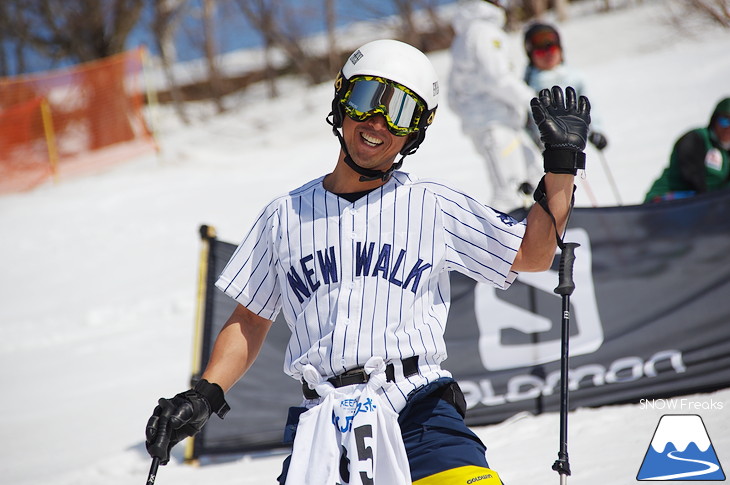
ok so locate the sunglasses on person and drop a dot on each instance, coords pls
(723, 121)
(545, 50)
(367, 96)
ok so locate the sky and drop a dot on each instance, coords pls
(232, 29)
(98, 272)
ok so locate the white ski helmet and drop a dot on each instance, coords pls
(398, 62)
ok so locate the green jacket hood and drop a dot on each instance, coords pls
(723, 107)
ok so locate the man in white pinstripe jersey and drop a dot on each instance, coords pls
(358, 261)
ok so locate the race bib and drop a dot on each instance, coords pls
(713, 159)
(350, 438)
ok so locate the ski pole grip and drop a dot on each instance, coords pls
(565, 270)
(157, 448)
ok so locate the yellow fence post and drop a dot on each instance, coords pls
(206, 234)
(50, 135)
(152, 99)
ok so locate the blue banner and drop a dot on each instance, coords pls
(650, 318)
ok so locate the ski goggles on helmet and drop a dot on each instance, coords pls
(367, 96)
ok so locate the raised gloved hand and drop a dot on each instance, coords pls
(597, 139)
(563, 124)
(181, 416)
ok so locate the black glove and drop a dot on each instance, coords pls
(597, 139)
(184, 415)
(563, 125)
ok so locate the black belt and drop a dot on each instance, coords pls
(359, 376)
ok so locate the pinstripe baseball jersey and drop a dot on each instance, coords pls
(370, 277)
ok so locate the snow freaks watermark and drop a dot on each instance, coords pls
(680, 449)
(680, 405)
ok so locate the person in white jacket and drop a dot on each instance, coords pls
(490, 98)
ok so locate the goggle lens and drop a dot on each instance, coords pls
(369, 95)
(548, 49)
(723, 121)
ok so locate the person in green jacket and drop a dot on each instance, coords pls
(700, 160)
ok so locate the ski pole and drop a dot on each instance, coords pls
(161, 441)
(609, 176)
(153, 471)
(564, 289)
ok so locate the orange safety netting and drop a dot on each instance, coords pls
(71, 121)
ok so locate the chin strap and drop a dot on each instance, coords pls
(366, 174)
(540, 197)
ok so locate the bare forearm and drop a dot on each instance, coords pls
(236, 347)
(538, 246)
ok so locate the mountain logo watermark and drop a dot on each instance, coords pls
(681, 450)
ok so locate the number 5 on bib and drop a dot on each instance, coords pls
(350, 438)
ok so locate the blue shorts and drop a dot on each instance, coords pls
(435, 436)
